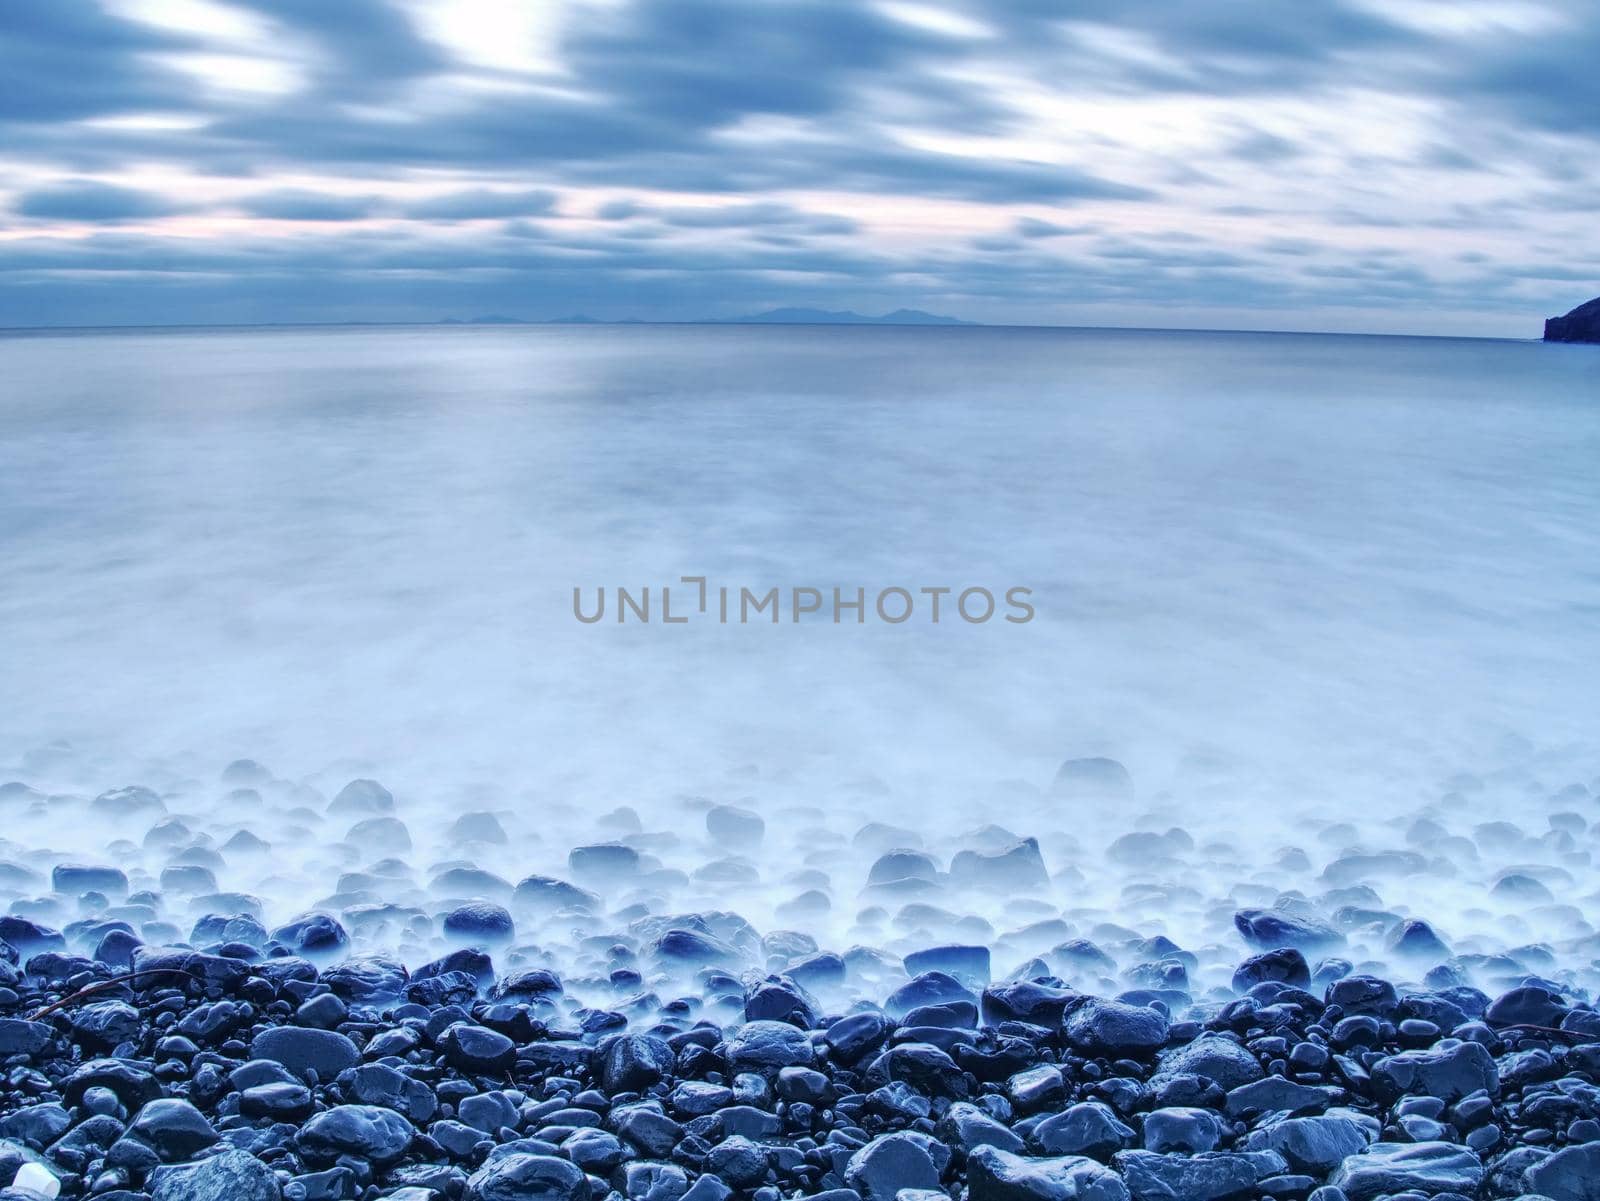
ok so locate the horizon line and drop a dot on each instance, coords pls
(735, 322)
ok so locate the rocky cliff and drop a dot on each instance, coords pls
(1580, 325)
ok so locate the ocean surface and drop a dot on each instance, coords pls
(1287, 580)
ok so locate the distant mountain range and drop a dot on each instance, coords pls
(786, 316)
(843, 317)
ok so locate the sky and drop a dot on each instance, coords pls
(1392, 166)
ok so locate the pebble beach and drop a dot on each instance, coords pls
(261, 988)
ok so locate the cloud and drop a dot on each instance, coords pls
(1548, 77)
(706, 63)
(1262, 146)
(821, 152)
(89, 200)
(480, 203)
(294, 204)
(747, 216)
(1033, 227)
(361, 48)
(64, 60)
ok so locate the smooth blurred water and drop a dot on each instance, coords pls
(1322, 569)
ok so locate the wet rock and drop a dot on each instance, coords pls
(851, 1038)
(1025, 1001)
(1571, 1174)
(780, 999)
(1449, 1071)
(1427, 1167)
(1089, 1128)
(519, 1176)
(173, 1129)
(361, 798)
(1285, 964)
(28, 938)
(1018, 867)
(39, 1125)
(1214, 1057)
(892, 1162)
(902, 864)
(228, 1176)
(690, 949)
(738, 1161)
(731, 826)
(75, 879)
(1530, 1005)
(366, 1131)
(968, 1127)
(1207, 1177)
(478, 827)
(370, 979)
(1037, 1088)
(481, 923)
(305, 1051)
(21, 1037)
(1092, 779)
(632, 1063)
(604, 862)
(132, 1082)
(1101, 1027)
(767, 1047)
(967, 964)
(928, 988)
(477, 1050)
(996, 1175)
(925, 1067)
(544, 894)
(314, 936)
(1275, 929)
(1416, 940)
(1182, 1129)
(1316, 1145)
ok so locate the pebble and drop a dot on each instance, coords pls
(424, 1030)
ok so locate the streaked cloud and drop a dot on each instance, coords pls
(1405, 164)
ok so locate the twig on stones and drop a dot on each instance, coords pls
(107, 983)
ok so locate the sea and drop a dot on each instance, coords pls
(1288, 581)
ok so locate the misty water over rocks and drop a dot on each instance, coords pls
(294, 686)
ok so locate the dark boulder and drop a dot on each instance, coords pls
(229, 1176)
(1284, 964)
(302, 1050)
(1272, 929)
(632, 1063)
(174, 1129)
(1425, 1167)
(1099, 1027)
(365, 1131)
